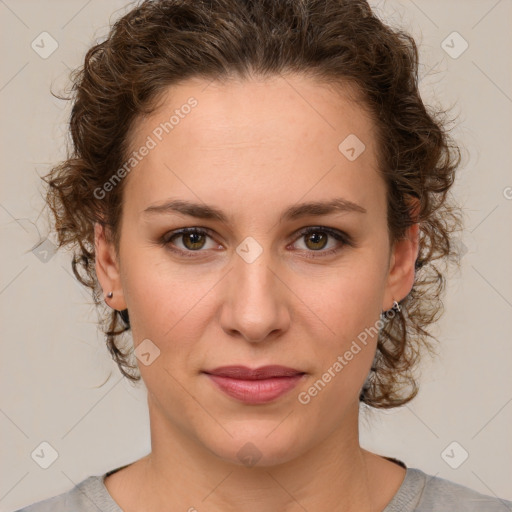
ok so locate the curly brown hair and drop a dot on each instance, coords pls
(161, 43)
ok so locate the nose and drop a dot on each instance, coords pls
(256, 300)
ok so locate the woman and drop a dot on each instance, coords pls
(258, 193)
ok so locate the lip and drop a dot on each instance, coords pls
(245, 373)
(255, 386)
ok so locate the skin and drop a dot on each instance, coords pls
(252, 149)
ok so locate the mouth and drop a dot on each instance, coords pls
(255, 386)
(245, 373)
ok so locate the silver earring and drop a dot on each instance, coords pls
(396, 307)
(110, 295)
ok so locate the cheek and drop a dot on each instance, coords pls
(350, 310)
(169, 304)
(351, 299)
(345, 359)
(165, 300)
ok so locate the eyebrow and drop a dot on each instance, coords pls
(203, 211)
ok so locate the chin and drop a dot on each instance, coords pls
(255, 447)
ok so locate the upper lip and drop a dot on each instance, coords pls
(263, 372)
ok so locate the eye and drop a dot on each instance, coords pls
(192, 240)
(316, 239)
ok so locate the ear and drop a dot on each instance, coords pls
(107, 268)
(402, 262)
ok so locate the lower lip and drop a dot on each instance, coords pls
(256, 391)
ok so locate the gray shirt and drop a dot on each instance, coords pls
(419, 492)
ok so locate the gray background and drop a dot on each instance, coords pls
(54, 360)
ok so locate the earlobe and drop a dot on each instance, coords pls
(107, 269)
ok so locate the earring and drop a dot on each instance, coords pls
(110, 295)
(396, 307)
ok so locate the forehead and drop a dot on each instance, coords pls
(249, 111)
(280, 137)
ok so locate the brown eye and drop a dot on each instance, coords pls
(187, 241)
(316, 240)
(193, 241)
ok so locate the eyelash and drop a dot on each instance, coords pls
(166, 239)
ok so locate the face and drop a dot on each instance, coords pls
(250, 287)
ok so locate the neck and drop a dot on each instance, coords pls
(331, 476)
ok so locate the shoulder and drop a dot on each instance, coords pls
(421, 492)
(450, 496)
(89, 495)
